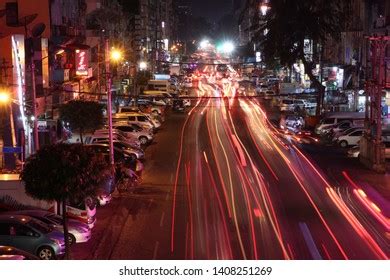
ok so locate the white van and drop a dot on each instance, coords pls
(356, 118)
(137, 118)
(161, 85)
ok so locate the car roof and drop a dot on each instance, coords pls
(37, 213)
(97, 145)
(20, 218)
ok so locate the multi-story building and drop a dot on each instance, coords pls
(184, 14)
(153, 28)
(351, 53)
(27, 29)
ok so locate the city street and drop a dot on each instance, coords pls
(194, 138)
(222, 184)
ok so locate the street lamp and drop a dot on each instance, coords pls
(228, 47)
(204, 44)
(143, 65)
(264, 8)
(6, 99)
(116, 55)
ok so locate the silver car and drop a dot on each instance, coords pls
(135, 143)
(78, 232)
(129, 130)
(128, 151)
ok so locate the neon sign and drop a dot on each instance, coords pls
(81, 63)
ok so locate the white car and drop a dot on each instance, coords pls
(354, 152)
(117, 135)
(130, 131)
(339, 133)
(339, 127)
(350, 139)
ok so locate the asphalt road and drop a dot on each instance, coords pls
(250, 193)
(220, 183)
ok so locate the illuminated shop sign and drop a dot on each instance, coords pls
(81, 63)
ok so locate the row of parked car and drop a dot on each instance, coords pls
(345, 129)
(38, 234)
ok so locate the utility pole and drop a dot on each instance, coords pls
(371, 146)
(109, 100)
(34, 107)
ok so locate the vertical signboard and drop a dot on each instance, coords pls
(81, 63)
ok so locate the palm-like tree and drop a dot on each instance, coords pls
(64, 172)
(289, 23)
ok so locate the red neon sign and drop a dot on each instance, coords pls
(81, 63)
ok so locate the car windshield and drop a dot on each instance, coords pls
(39, 226)
(55, 218)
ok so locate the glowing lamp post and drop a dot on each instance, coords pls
(143, 66)
(227, 47)
(264, 7)
(6, 99)
(116, 55)
(204, 44)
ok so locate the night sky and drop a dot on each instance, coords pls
(212, 9)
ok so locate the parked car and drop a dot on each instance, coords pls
(349, 139)
(354, 152)
(334, 118)
(83, 210)
(339, 127)
(291, 104)
(136, 118)
(32, 236)
(129, 153)
(104, 149)
(12, 253)
(156, 110)
(78, 232)
(116, 135)
(129, 130)
(129, 109)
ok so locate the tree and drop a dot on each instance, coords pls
(82, 115)
(64, 172)
(290, 22)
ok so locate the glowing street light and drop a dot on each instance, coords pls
(204, 44)
(264, 8)
(228, 47)
(4, 97)
(116, 55)
(143, 65)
